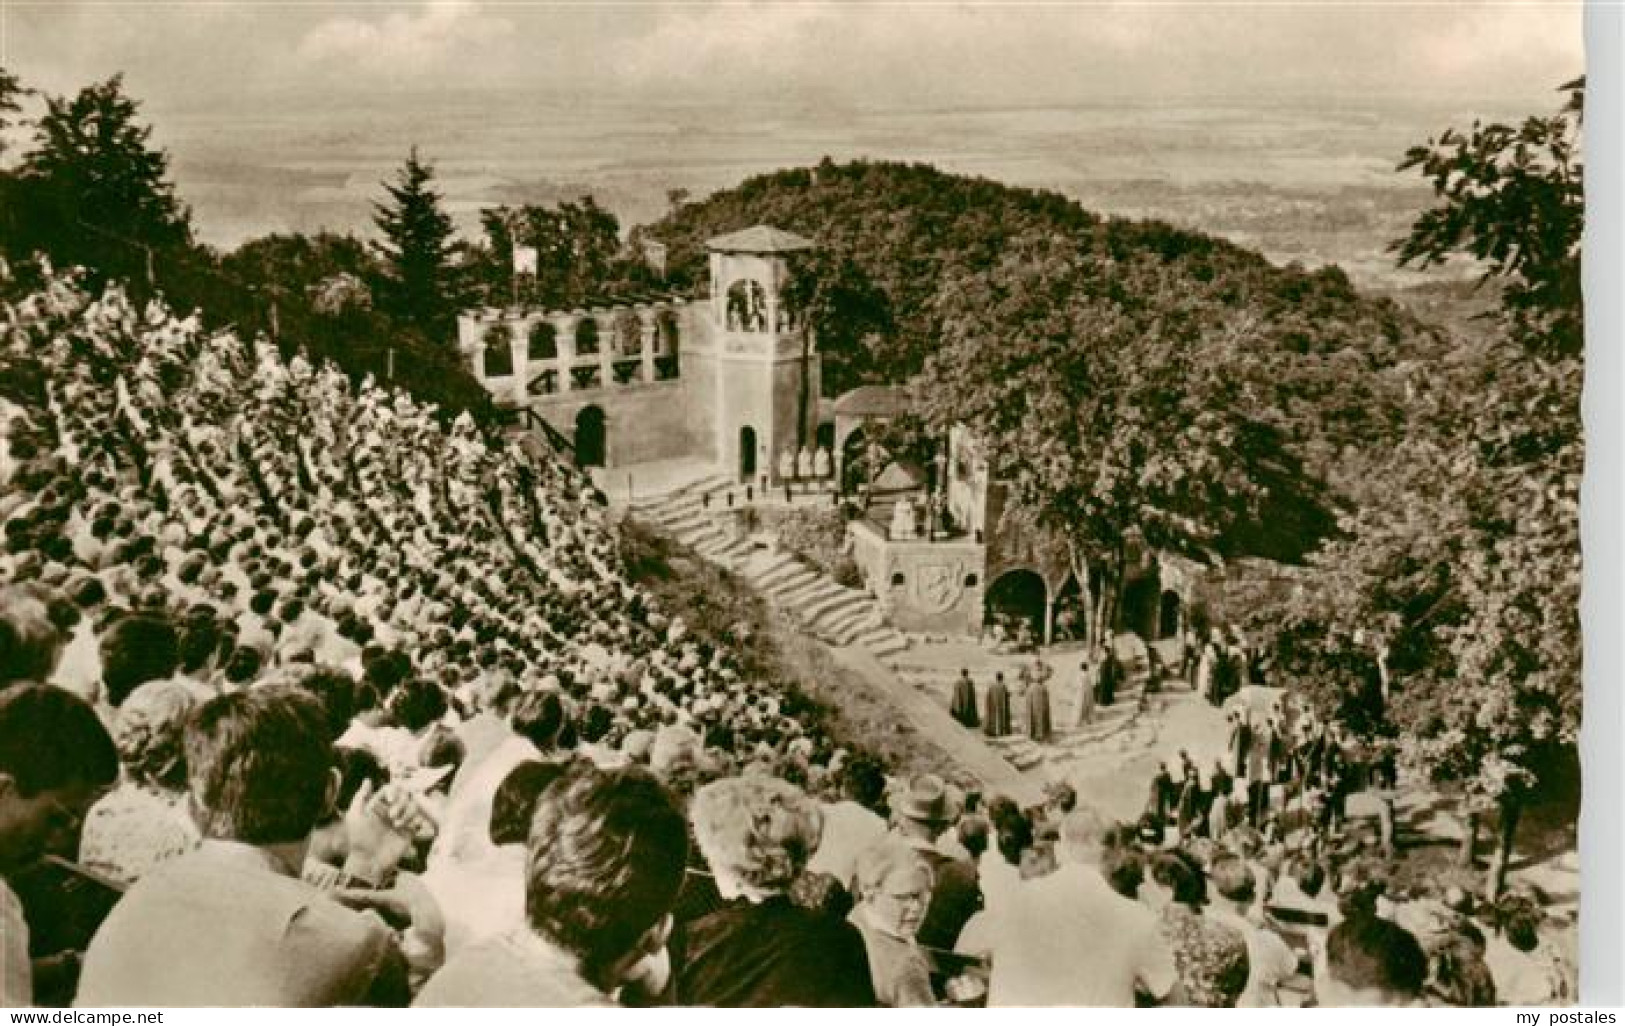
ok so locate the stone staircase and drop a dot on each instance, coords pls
(695, 515)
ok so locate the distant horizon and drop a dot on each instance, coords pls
(1276, 126)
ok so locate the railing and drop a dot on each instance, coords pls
(556, 438)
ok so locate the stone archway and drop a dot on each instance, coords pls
(1071, 612)
(1137, 611)
(1017, 598)
(591, 437)
(1170, 615)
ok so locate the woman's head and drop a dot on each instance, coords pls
(1176, 877)
(151, 729)
(893, 884)
(757, 833)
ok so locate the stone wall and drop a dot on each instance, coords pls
(922, 586)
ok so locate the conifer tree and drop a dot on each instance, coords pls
(420, 287)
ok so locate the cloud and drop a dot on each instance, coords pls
(888, 52)
(434, 39)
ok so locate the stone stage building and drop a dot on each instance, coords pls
(731, 379)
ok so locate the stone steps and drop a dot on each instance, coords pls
(835, 614)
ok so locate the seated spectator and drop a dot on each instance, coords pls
(925, 810)
(1067, 939)
(761, 950)
(605, 860)
(1369, 962)
(135, 650)
(232, 923)
(1527, 970)
(484, 896)
(55, 760)
(893, 885)
(1270, 960)
(145, 821)
(30, 643)
(1211, 956)
(851, 825)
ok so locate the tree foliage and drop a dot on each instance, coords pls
(1102, 389)
(1511, 197)
(579, 256)
(896, 239)
(421, 289)
(11, 90)
(1460, 573)
(93, 191)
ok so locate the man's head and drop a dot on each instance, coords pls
(514, 804)
(607, 853)
(927, 807)
(137, 649)
(29, 642)
(1233, 881)
(1370, 962)
(1083, 836)
(259, 764)
(56, 757)
(864, 781)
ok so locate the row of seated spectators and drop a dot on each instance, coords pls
(309, 699)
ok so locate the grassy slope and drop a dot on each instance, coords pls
(722, 609)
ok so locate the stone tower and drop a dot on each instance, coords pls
(766, 360)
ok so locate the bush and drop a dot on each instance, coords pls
(846, 573)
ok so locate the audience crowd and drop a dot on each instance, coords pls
(308, 698)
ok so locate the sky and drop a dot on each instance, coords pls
(202, 55)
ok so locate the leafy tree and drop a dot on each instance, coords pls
(847, 315)
(1512, 197)
(420, 286)
(299, 265)
(11, 89)
(1101, 390)
(94, 192)
(1458, 577)
(579, 256)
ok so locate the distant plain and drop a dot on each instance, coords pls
(1308, 181)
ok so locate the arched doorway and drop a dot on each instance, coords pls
(747, 453)
(1071, 612)
(854, 461)
(1138, 612)
(1168, 616)
(590, 440)
(824, 436)
(1016, 601)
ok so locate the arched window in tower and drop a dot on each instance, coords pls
(586, 337)
(747, 306)
(544, 342)
(498, 356)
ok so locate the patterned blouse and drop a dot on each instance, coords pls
(1211, 957)
(135, 829)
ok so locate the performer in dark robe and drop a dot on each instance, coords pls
(1162, 794)
(996, 720)
(1111, 674)
(1039, 727)
(1241, 743)
(963, 706)
(1185, 807)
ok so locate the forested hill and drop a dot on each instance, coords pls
(913, 261)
